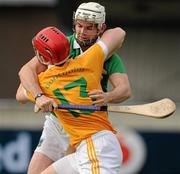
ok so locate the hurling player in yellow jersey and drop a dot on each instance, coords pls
(89, 23)
(68, 81)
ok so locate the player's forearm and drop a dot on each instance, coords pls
(29, 76)
(118, 94)
(29, 80)
(121, 89)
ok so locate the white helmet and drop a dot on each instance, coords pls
(91, 12)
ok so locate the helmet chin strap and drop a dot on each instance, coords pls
(86, 43)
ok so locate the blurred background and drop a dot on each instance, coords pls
(150, 52)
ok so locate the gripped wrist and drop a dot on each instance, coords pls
(109, 98)
(38, 95)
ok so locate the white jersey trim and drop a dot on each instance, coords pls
(77, 46)
(104, 47)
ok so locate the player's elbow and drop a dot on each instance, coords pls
(20, 96)
(127, 91)
(121, 34)
(128, 94)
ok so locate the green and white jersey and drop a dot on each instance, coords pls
(113, 65)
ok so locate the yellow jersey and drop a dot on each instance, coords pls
(70, 84)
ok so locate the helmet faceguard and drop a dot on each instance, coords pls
(51, 46)
(86, 43)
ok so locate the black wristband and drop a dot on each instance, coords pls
(38, 95)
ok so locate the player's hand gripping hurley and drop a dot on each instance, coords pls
(159, 109)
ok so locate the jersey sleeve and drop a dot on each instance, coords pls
(115, 65)
(104, 48)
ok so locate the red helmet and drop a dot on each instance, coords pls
(52, 44)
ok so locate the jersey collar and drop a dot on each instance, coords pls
(76, 46)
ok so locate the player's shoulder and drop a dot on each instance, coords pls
(96, 46)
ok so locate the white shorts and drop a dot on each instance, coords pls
(99, 154)
(54, 141)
